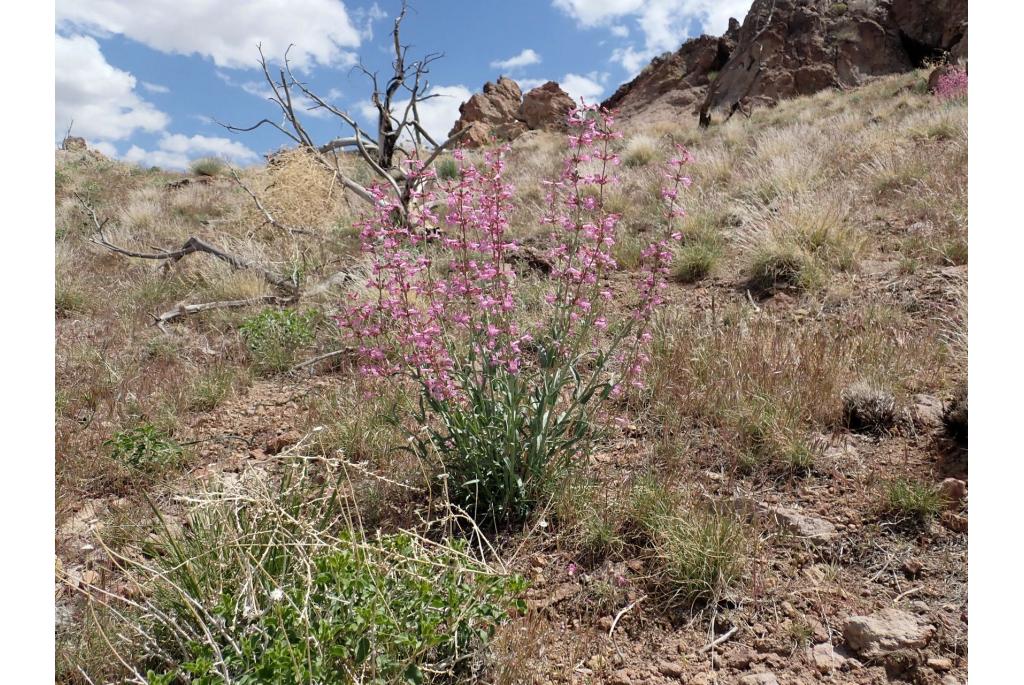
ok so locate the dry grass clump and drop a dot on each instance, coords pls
(802, 243)
(208, 166)
(868, 408)
(693, 553)
(299, 192)
(640, 151)
(765, 387)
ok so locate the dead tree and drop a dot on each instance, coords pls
(400, 135)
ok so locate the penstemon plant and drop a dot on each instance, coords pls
(507, 407)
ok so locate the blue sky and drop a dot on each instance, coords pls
(147, 81)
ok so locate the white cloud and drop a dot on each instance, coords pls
(619, 31)
(108, 149)
(524, 59)
(665, 24)
(155, 87)
(175, 151)
(227, 33)
(100, 98)
(590, 87)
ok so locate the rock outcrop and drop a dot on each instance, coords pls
(545, 107)
(491, 114)
(786, 48)
(675, 82)
(502, 113)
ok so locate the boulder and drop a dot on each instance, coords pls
(889, 636)
(545, 108)
(490, 114)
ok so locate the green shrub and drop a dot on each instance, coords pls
(506, 449)
(774, 265)
(913, 499)
(269, 584)
(211, 389)
(699, 555)
(144, 447)
(275, 335)
(695, 260)
(447, 169)
(208, 166)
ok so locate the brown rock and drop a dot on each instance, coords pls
(671, 669)
(758, 679)
(954, 522)
(954, 490)
(673, 82)
(814, 529)
(490, 114)
(787, 48)
(940, 663)
(278, 443)
(824, 658)
(545, 108)
(887, 635)
(739, 657)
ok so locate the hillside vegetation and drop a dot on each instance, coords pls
(797, 458)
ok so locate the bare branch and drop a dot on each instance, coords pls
(183, 310)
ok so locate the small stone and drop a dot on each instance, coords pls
(90, 578)
(672, 669)
(789, 610)
(739, 657)
(605, 623)
(814, 529)
(758, 679)
(621, 677)
(953, 490)
(886, 635)
(940, 663)
(954, 522)
(926, 411)
(824, 658)
(949, 680)
(912, 568)
(595, 662)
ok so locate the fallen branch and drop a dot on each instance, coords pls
(718, 640)
(623, 612)
(183, 310)
(322, 357)
(191, 245)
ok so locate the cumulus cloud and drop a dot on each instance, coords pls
(176, 151)
(524, 59)
(155, 87)
(227, 34)
(100, 98)
(664, 23)
(590, 86)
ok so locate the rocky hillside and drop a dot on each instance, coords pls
(786, 48)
